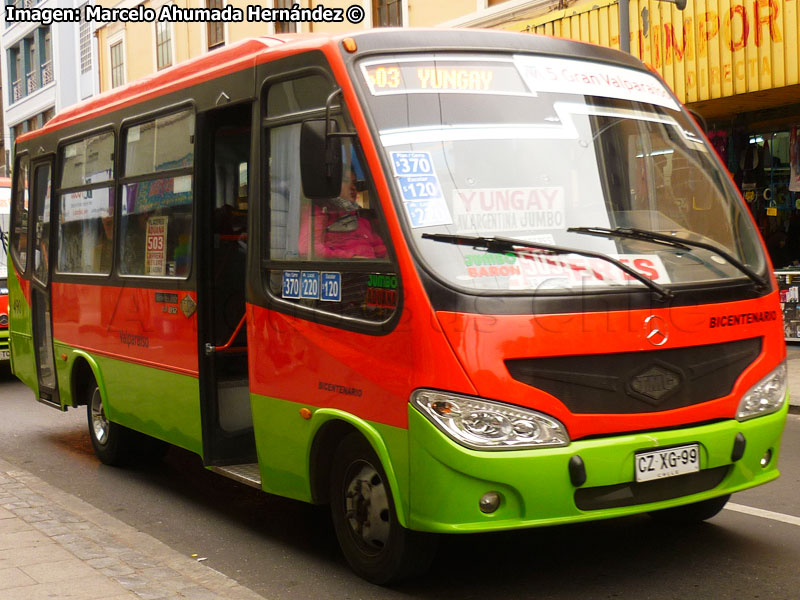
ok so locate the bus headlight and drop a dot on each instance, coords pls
(765, 397)
(487, 425)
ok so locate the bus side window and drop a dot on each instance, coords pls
(156, 215)
(21, 210)
(318, 246)
(86, 218)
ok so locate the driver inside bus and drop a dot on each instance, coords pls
(339, 226)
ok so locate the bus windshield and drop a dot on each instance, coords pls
(529, 147)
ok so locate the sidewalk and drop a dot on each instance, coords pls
(54, 546)
(793, 364)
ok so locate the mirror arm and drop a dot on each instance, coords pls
(330, 134)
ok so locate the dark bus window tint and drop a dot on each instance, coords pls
(161, 145)
(86, 231)
(41, 239)
(156, 227)
(21, 213)
(298, 95)
(88, 161)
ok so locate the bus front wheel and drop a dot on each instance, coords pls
(377, 547)
(112, 442)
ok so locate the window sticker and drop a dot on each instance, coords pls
(182, 184)
(134, 133)
(428, 213)
(291, 285)
(382, 290)
(423, 187)
(588, 78)
(331, 286)
(420, 190)
(508, 209)
(156, 250)
(309, 285)
(532, 270)
(412, 163)
(415, 176)
(86, 204)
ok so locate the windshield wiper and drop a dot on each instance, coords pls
(504, 244)
(668, 240)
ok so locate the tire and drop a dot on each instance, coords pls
(691, 513)
(374, 543)
(113, 444)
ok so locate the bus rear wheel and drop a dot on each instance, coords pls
(691, 513)
(112, 443)
(377, 547)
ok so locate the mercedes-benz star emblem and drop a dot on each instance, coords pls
(656, 330)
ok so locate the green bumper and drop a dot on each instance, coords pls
(448, 480)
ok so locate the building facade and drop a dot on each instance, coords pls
(44, 68)
(129, 51)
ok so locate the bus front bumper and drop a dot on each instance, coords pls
(4, 346)
(447, 481)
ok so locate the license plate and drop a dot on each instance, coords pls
(669, 462)
(4, 354)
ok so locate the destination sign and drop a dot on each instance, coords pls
(444, 75)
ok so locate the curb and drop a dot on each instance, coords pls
(151, 566)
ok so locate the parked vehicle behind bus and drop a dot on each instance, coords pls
(443, 281)
(5, 208)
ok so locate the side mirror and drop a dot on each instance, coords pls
(320, 159)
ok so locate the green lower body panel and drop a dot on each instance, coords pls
(284, 440)
(448, 480)
(23, 362)
(160, 403)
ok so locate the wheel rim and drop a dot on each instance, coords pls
(366, 505)
(100, 425)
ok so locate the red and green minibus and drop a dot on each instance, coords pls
(443, 281)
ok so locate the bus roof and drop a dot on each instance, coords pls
(239, 55)
(224, 60)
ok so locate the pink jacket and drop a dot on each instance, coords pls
(339, 234)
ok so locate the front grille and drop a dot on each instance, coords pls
(639, 382)
(631, 494)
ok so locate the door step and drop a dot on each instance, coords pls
(48, 400)
(248, 474)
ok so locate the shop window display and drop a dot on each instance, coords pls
(763, 172)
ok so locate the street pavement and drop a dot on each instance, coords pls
(55, 546)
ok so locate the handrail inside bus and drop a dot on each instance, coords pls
(210, 348)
